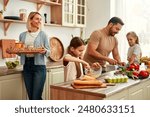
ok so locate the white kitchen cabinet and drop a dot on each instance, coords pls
(146, 90)
(68, 11)
(57, 75)
(74, 13)
(140, 91)
(80, 16)
(122, 95)
(136, 92)
(12, 87)
(54, 75)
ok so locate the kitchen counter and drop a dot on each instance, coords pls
(5, 71)
(66, 91)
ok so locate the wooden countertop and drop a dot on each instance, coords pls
(66, 91)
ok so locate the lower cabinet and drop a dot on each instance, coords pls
(136, 92)
(140, 91)
(12, 87)
(122, 95)
(54, 75)
(147, 90)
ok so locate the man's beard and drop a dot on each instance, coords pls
(112, 33)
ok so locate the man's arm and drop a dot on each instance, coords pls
(116, 55)
(92, 46)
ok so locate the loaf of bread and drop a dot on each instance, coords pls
(86, 77)
(87, 82)
(148, 69)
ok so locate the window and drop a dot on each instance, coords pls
(136, 16)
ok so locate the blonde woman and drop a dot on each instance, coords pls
(134, 51)
(34, 65)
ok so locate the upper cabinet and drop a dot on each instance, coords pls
(80, 16)
(71, 13)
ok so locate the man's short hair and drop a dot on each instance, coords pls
(116, 20)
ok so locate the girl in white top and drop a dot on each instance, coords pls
(73, 60)
(134, 51)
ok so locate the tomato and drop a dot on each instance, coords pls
(136, 66)
(143, 74)
(128, 69)
(132, 67)
(135, 73)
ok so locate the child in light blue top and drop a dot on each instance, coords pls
(134, 51)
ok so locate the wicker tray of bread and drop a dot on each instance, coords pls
(24, 50)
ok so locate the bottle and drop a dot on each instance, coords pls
(23, 15)
(143, 66)
(45, 16)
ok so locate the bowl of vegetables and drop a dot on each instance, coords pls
(12, 64)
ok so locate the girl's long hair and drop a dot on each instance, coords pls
(134, 35)
(75, 42)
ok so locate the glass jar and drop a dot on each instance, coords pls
(23, 14)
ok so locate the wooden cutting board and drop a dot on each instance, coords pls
(4, 44)
(89, 86)
(57, 49)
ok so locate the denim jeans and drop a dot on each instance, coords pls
(34, 78)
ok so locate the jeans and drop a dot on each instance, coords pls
(34, 78)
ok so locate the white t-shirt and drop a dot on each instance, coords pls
(135, 50)
(70, 71)
(29, 41)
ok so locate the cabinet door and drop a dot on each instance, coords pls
(46, 86)
(12, 87)
(123, 95)
(68, 11)
(57, 75)
(147, 89)
(80, 13)
(136, 92)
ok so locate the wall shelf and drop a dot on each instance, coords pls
(7, 23)
(40, 3)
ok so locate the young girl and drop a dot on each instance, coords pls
(73, 60)
(134, 51)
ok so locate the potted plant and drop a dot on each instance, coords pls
(86, 41)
